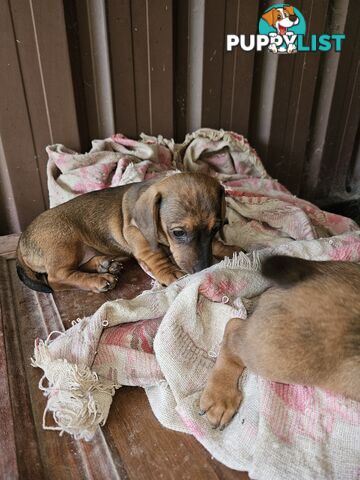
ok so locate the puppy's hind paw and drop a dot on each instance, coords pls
(110, 265)
(115, 267)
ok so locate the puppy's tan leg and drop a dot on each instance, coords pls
(221, 398)
(157, 261)
(63, 273)
(103, 264)
(220, 250)
(66, 278)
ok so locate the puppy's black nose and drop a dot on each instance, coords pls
(293, 18)
(201, 265)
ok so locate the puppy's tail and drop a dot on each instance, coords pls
(35, 281)
(287, 271)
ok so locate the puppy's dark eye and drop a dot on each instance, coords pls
(279, 17)
(179, 233)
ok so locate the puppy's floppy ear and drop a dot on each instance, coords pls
(289, 9)
(147, 214)
(224, 220)
(269, 17)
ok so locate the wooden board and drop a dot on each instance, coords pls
(132, 445)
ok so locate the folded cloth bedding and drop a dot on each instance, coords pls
(166, 340)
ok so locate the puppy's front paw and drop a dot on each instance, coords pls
(220, 401)
(169, 276)
(105, 282)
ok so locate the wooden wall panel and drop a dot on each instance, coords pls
(345, 112)
(87, 69)
(47, 80)
(353, 177)
(214, 34)
(18, 155)
(181, 59)
(56, 82)
(122, 66)
(38, 108)
(293, 98)
(141, 65)
(337, 73)
(238, 68)
(33, 82)
(160, 64)
(303, 97)
(153, 70)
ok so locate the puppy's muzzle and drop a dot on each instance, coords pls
(200, 266)
(203, 261)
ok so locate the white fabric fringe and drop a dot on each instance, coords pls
(78, 400)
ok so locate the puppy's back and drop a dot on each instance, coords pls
(308, 324)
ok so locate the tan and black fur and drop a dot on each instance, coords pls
(304, 330)
(168, 224)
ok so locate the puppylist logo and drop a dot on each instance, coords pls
(282, 29)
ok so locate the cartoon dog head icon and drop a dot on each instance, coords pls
(281, 19)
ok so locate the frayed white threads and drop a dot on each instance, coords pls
(78, 400)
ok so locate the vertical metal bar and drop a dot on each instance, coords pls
(101, 67)
(9, 218)
(263, 101)
(195, 71)
(327, 77)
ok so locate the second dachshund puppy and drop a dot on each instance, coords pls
(304, 330)
(168, 224)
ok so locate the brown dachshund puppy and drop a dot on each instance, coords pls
(304, 330)
(168, 224)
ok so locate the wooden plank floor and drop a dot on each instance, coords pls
(132, 445)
